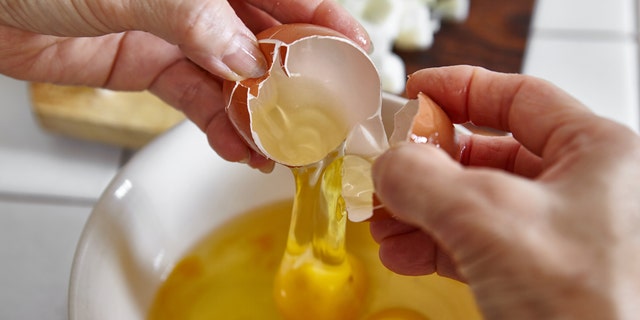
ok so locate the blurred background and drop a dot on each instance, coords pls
(50, 179)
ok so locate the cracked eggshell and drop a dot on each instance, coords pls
(419, 120)
(423, 121)
(307, 60)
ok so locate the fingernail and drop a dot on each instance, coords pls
(268, 168)
(244, 58)
(246, 159)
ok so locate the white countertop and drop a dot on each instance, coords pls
(48, 184)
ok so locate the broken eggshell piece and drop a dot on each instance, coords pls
(321, 92)
(420, 120)
(423, 121)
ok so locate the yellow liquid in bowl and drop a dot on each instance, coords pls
(295, 260)
(230, 275)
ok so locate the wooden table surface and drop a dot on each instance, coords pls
(493, 36)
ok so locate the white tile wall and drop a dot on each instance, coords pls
(602, 73)
(37, 243)
(49, 183)
(586, 15)
(590, 49)
(37, 163)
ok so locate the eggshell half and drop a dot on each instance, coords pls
(311, 61)
(323, 61)
(309, 64)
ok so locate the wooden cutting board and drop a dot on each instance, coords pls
(127, 119)
(493, 36)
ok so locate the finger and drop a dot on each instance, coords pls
(260, 162)
(198, 95)
(78, 61)
(134, 62)
(383, 228)
(411, 254)
(531, 108)
(327, 13)
(208, 32)
(503, 153)
(254, 18)
(466, 210)
(406, 250)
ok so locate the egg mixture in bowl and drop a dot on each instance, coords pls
(176, 212)
(230, 275)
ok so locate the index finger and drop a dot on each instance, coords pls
(531, 108)
(327, 13)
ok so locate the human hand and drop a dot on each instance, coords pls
(179, 50)
(541, 225)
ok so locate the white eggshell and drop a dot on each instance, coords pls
(343, 70)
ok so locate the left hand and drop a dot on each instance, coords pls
(180, 50)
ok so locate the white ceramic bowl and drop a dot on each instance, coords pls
(168, 197)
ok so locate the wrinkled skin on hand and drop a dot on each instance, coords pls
(542, 225)
(178, 49)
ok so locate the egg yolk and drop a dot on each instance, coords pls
(317, 277)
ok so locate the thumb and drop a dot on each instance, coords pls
(466, 210)
(208, 32)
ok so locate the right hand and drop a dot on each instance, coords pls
(541, 225)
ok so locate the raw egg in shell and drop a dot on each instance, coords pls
(317, 110)
(321, 92)
(320, 89)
